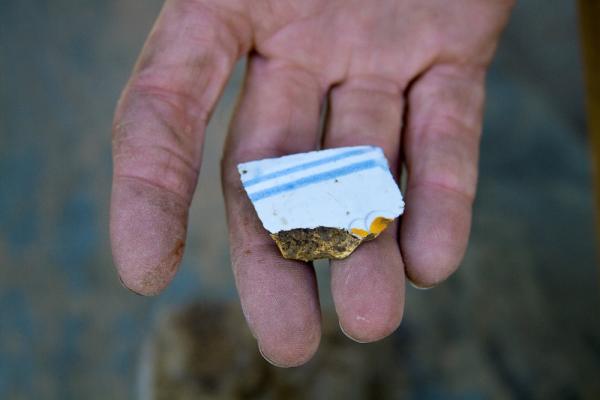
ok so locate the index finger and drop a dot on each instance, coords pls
(158, 134)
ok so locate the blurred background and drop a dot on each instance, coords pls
(519, 320)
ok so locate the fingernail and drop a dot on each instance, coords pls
(419, 287)
(349, 336)
(128, 288)
(273, 363)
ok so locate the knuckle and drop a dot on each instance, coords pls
(153, 140)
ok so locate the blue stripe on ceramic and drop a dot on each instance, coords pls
(310, 164)
(308, 180)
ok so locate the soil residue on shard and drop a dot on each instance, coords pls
(313, 244)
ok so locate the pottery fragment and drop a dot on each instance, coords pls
(323, 204)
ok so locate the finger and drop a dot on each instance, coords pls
(368, 286)
(158, 134)
(441, 148)
(278, 114)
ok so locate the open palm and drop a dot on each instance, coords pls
(405, 75)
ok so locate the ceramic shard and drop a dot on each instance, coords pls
(323, 204)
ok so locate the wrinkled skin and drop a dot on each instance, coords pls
(406, 75)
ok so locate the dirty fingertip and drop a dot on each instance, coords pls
(148, 232)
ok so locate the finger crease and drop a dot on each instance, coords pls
(441, 186)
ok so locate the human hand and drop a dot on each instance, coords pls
(405, 75)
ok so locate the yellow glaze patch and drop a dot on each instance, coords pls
(378, 225)
(360, 232)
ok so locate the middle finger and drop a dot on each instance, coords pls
(368, 287)
(278, 114)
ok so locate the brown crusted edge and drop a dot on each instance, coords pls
(313, 244)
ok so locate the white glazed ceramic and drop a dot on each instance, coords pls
(348, 188)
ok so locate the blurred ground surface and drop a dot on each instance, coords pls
(520, 319)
